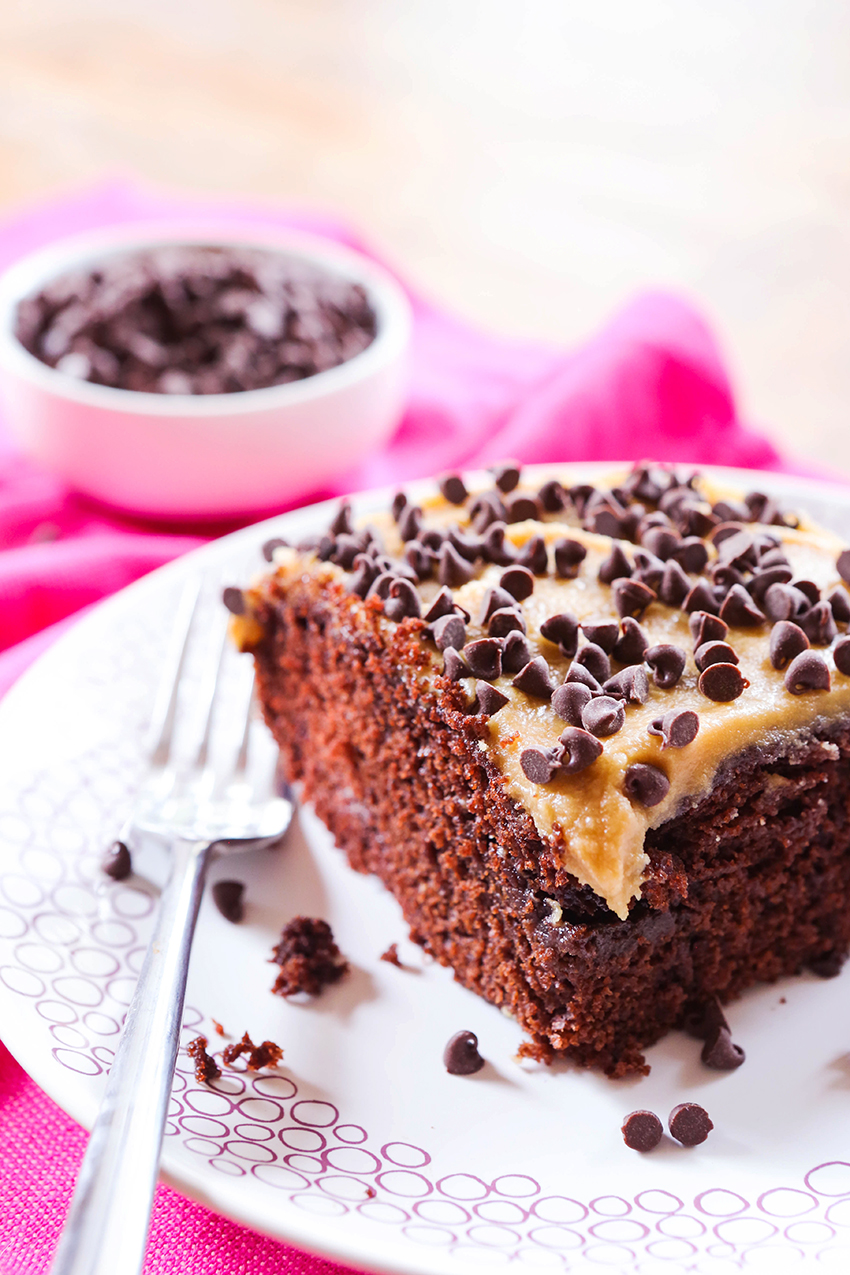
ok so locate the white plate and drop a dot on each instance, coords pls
(362, 1146)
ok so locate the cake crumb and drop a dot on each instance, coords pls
(268, 1054)
(218, 1027)
(206, 1068)
(308, 957)
(391, 956)
(370, 1193)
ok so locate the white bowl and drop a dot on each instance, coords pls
(211, 455)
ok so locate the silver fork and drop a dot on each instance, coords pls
(197, 815)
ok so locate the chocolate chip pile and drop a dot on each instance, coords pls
(196, 320)
(746, 582)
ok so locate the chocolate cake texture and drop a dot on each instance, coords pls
(595, 740)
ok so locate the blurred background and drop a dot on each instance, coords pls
(528, 165)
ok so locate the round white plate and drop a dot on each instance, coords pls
(361, 1146)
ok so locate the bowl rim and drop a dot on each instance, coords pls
(392, 308)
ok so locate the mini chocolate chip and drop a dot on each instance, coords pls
(632, 643)
(116, 863)
(615, 567)
(646, 785)
(731, 510)
(720, 1052)
(630, 684)
(461, 1056)
(234, 600)
(773, 558)
(759, 584)
(504, 621)
(818, 624)
(403, 602)
(667, 663)
(569, 555)
(515, 653)
(540, 764)
(706, 628)
(380, 586)
(484, 658)
(722, 682)
(410, 522)
(602, 633)
(662, 541)
(453, 489)
(569, 701)
(490, 698)
(739, 610)
(534, 556)
(839, 600)
(346, 550)
(604, 521)
(341, 523)
(485, 509)
(521, 509)
(786, 641)
(578, 673)
(494, 547)
(603, 716)
(784, 602)
(364, 573)
(808, 671)
(449, 630)
(535, 679)
(677, 728)
(398, 505)
(841, 655)
(270, 546)
(723, 577)
(828, 966)
(809, 588)
(506, 475)
(552, 496)
(689, 1124)
(675, 585)
(453, 570)
(714, 653)
(725, 529)
(738, 550)
(228, 898)
(595, 661)
(642, 1130)
(580, 494)
(842, 564)
(691, 555)
(581, 750)
(563, 631)
(454, 665)
(468, 547)
(700, 598)
(443, 604)
(420, 560)
(517, 581)
(631, 598)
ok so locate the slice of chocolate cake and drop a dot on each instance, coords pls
(595, 741)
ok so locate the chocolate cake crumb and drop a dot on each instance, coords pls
(117, 863)
(461, 1056)
(642, 1130)
(206, 1067)
(228, 898)
(268, 1054)
(689, 1124)
(391, 956)
(308, 957)
(218, 1027)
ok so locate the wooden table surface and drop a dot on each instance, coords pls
(530, 165)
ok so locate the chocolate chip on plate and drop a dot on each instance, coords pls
(234, 600)
(722, 682)
(642, 1130)
(720, 1051)
(787, 640)
(269, 547)
(461, 1056)
(646, 785)
(808, 671)
(689, 1124)
(676, 728)
(117, 863)
(228, 898)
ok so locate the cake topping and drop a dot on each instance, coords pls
(461, 1056)
(484, 658)
(449, 630)
(842, 565)
(206, 1067)
(630, 684)
(632, 644)
(594, 659)
(601, 632)
(786, 640)
(270, 546)
(689, 1124)
(561, 629)
(534, 556)
(677, 728)
(454, 665)
(631, 597)
(410, 522)
(570, 700)
(552, 496)
(645, 784)
(489, 698)
(506, 475)
(453, 570)
(738, 609)
(580, 750)
(495, 600)
(714, 653)
(569, 555)
(228, 898)
(701, 598)
(403, 601)
(518, 581)
(116, 863)
(841, 655)
(705, 627)
(453, 488)
(808, 671)
(515, 653)
(675, 585)
(535, 679)
(603, 716)
(784, 601)
(540, 764)
(341, 522)
(667, 663)
(506, 621)
(818, 624)
(642, 1130)
(578, 673)
(839, 601)
(722, 682)
(615, 567)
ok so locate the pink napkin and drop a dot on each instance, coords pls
(651, 383)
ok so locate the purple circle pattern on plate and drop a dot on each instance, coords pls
(76, 942)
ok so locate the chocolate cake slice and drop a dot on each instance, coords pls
(595, 741)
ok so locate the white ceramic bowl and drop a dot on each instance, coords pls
(211, 455)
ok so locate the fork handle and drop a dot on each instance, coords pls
(106, 1229)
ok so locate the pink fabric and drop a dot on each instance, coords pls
(650, 384)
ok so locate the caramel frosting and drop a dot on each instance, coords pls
(597, 827)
